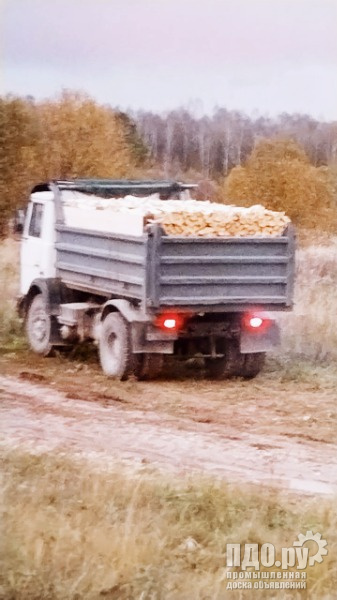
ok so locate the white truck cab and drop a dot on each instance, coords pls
(38, 241)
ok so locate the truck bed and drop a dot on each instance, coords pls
(217, 274)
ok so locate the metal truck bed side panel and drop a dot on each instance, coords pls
(223, 274)
(101, 263)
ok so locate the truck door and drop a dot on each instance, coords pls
(37, 246)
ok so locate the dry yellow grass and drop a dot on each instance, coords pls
(72, 531)
(310, 330)
(9, 277)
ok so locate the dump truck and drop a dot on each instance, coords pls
(143, 295)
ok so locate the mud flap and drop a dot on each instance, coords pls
(146, 340)
(260, 341)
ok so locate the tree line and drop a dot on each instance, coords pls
(286, 163)
(213, 145)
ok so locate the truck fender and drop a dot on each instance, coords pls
(127, 310)
(50, 288)
(139, 321)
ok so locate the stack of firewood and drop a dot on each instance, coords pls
(177, 217)
(219, 220)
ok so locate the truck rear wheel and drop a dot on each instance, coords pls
(149, 366)
(226, 366)
(252, 364)
(115, 353)
(39, 326)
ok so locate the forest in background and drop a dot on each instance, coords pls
(213, 145)
(286, 163)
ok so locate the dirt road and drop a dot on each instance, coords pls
(41, 418)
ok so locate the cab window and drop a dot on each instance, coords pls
(35, 225)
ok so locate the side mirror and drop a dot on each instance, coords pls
(19, 221)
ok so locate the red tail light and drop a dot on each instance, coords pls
(255, 322)
(170, 322)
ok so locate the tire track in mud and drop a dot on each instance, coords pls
(39, 418)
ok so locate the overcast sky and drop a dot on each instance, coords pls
(268, 56)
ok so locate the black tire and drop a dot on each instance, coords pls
(115, 352)
(39, 326)
(226, 366)
(149, 366)
(252, 365)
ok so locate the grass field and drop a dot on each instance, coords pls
(10, 329)
(72, 531)
(310, 331)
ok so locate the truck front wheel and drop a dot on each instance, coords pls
(39, 326)
(115, 352)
